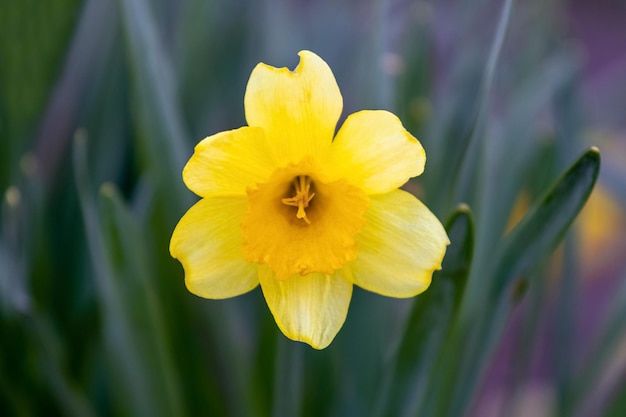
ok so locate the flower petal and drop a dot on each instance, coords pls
(298, 110)
(310, 308)
(207, 240)
(228, 162)
(375, 152)
(400, 246)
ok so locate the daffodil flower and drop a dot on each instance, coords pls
(305, 215)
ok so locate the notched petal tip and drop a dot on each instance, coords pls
(298, 109)
(309, 58)
(306, 58)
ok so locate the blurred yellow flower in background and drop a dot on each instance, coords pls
(306, 216)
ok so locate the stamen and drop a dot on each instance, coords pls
(302, 188)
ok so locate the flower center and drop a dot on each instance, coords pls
(299, 223)
(302, 197)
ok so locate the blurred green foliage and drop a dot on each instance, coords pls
(101, 104)
(33, 45)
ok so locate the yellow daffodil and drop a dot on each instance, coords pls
(306, 216)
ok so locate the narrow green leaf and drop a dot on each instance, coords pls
(160, 122)
(429, 322)
(543, 228)
(132, 275)
(287, 401)
(509, 159)
(34, 37)
(468, 153)
(131, 376)
(473, 340)
(71, 398)
(14, 293)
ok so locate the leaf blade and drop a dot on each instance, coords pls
(552, 216)
(474, 338)
(429, 321)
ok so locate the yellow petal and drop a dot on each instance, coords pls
(207, 241)
(228, 162)
(310, 308)
(375, 152)
(298, 110)
(400, 246)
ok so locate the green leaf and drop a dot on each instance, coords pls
(462, 150)
(429, 322)
(132, 275)
(287, 401)
(543, 228)
(140, 373)
(34, 37)
(71, 397)
(474, 338)
(160, 121)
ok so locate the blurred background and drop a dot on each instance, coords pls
(102, 102)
